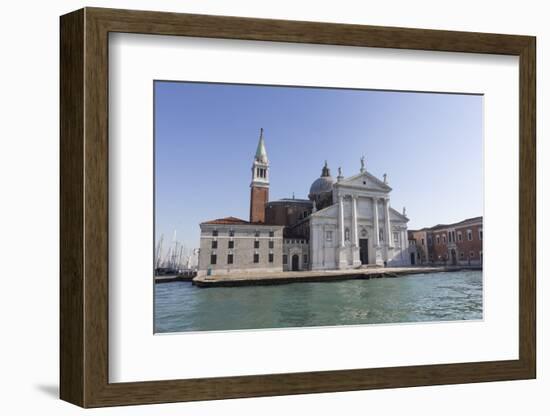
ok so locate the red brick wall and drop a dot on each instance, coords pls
(440, 251)
(465, 246)
(258, 198)
(285, 214)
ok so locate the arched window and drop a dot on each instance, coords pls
(346, 234)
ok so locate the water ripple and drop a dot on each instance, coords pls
(179, 306)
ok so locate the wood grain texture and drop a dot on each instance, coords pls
(84, 207)
(71, 208)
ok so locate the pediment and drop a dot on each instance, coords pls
(397, 216)
(365, 180)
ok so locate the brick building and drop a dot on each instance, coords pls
(459, 243)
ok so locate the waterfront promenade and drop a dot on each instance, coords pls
(277, 278)
(173, 278)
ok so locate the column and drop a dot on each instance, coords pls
(341, 220)
(323, 245)
(375, 222)
(354, 233)
(389, 241)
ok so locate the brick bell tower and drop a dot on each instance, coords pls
(259, 187)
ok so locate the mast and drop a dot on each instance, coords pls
(159, 252)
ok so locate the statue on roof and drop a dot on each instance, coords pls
(362, 164)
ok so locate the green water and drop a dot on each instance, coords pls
(180, 306)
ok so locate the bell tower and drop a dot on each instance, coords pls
(259, 187)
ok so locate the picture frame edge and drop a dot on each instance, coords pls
(84, 215)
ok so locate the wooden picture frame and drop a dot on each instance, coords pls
(84, 207)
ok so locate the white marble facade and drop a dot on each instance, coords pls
(359, 228)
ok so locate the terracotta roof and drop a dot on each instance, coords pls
(455, 224)
(227, 220)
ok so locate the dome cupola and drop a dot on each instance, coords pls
(321, 189)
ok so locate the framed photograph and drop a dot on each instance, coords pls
(254, 207)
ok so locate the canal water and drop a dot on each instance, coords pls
(447, 296)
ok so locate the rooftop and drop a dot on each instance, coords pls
(227, 220)
(237, 221)
(291, 200)
(455, 224)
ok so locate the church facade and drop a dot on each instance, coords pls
(345, 223)
(357, 226)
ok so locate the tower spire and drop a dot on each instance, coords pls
(261, 154)
(259, 187)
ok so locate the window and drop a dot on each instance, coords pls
(214, 244)
(328, 236)
(381, 234)
(271, 244)
(215, 233)
(305, 258)
(346, 234)
(256, 233)
(257, 244)
(272, 234)
(444, 238)
(459, 236)
(461, 255)
(271, 257)
(230, 259)
(429, 241)
(285, 259)
(437, 239)
(450, 237)
(256, 258)
(469, 235)
(230, 244)
(231, 233)
(422, 241)
(396, 238)
(472, 254)
(213, 259)
(480, 234)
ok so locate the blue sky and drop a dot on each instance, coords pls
(430, 146)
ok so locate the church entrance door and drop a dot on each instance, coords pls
(364, 250)
(295, 263)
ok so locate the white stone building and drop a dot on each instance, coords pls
(358, 227)
(231, 245)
